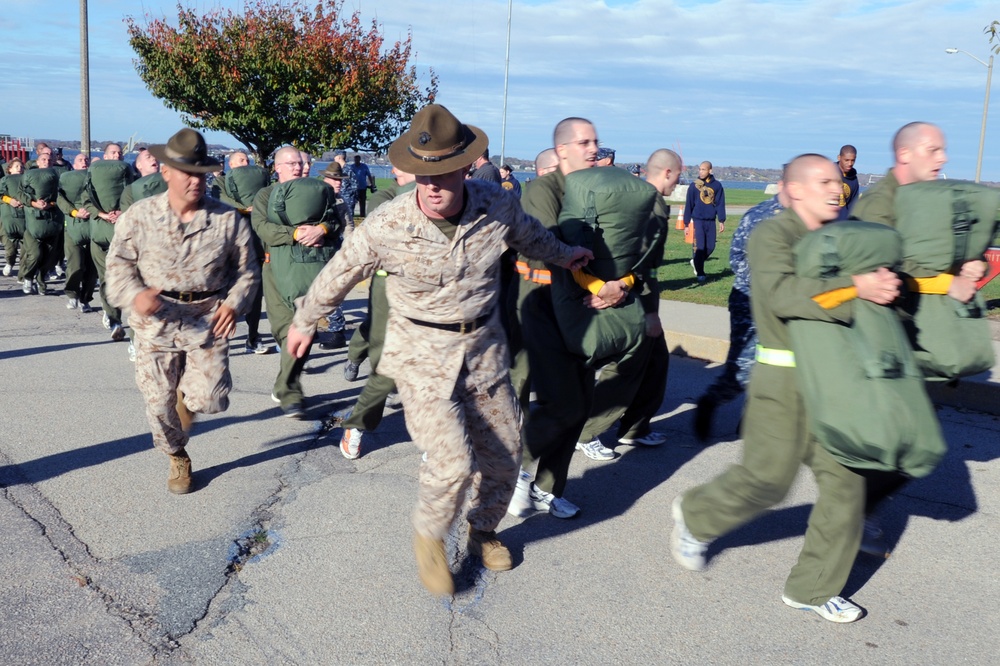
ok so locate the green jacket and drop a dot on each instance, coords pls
(876, 203)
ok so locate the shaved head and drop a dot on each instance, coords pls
(564, 129)
(663, 170)
(812, 183)
(546, 161)
(921, 153)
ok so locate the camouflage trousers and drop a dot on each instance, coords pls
(742, 350)
(472, 441)
(175, 349)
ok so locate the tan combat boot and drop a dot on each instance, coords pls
(183, 413)
(432, 565)
(488, 548)
(179, 481)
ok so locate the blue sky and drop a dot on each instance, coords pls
(737, 82)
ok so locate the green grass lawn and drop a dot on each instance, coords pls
(678, 283)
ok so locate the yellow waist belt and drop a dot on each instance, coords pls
(783, 358)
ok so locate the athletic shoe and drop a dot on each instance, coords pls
(117, 332)
(595, 450)
(293, 411)
(26, 286)
(688, 551)
(872, 542)
(106, 321)
(60, 271)
(7, 270)
(72, 304)
(258, 348)
(336, 341)
(131, 352)
(836, 609)
(85, 308)
(701, 279)
(652, 438)
(520, 503)
(350, 443)
(693, 269)
(556, 506)
(351, 370)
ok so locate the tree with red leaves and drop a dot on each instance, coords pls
(281, 73)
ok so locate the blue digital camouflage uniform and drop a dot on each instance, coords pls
(742, 332)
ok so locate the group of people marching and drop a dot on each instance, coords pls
(520, 330)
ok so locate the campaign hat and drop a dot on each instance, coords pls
(437, 143)
(186, 151)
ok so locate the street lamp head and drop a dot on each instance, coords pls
(951, 50)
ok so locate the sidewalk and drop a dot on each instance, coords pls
(702, 332)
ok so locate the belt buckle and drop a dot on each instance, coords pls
(462, 330)
(185, 296)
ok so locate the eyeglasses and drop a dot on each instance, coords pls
(584, 143)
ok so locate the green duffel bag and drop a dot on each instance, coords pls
(42, 185)
(609, 211)
(14, 225)
(243, 183)
(71, 187)
(106, 180)
(864, 393)
(143, 188)
(945, 223)
(297, 202)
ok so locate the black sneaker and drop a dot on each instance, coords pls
(337, 341)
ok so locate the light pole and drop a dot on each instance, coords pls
(986, 105)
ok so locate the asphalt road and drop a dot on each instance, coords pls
(102, 566)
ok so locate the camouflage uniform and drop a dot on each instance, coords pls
(460, 407)
(742, 332)
(175, 347)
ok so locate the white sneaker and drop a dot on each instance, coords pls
(688, 551)
(72, 304)
(653, 438)
(26, 286)
(520, 503)
(106, 321)
(350, 443)
(117, 333)
(837, 609)
(693, 269)
(556, 506)
(595, 450)
(7, 270)
(131, 352)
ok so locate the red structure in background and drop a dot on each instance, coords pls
(11, 147)
(993, 259)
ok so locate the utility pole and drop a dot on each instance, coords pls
(84, 82)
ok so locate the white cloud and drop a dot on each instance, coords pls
(734, 81)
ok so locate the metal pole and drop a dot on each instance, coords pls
(84, 82)
(986, 108)
(506, 70)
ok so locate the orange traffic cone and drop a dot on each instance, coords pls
(680, 219)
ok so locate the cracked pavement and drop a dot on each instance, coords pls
(103, 566)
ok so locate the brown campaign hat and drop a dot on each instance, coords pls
(186, 151)
(437, 143)
(335, 171)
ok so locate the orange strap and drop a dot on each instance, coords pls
(831, 299)
(939, 284)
